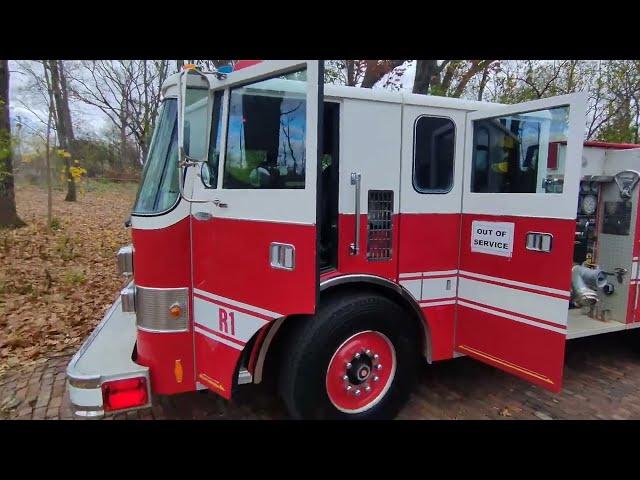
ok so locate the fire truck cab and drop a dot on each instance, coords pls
(332, 237)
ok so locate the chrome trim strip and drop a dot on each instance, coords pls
(257, 373)
(80, 411)
(152, 309)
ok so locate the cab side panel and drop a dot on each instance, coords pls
(162, 260)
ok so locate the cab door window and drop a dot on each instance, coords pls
(266, 134)
(210, 169)
(514, 153)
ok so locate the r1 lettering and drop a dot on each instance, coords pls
(223, 316)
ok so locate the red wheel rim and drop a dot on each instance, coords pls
(361, 371)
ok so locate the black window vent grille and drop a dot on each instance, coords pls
(380, 225)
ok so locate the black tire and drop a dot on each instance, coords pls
(313, 341)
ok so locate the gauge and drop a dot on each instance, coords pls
(594, 187)
(589, 204)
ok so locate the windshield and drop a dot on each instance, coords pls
(159, 187)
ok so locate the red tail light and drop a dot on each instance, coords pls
(127, 393)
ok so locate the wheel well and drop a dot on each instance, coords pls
(380, 286)
(395, 293)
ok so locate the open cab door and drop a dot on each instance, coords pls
(253, 211)
(518, 232)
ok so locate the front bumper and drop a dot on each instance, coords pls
(105, 356)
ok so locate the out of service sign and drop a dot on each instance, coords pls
(493, 238)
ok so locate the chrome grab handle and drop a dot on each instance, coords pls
(354, 248)
(203, 216)
(539, 241)
(219, 204)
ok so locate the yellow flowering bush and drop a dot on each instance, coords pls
(76, 171)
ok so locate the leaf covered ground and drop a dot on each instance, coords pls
(55, 284)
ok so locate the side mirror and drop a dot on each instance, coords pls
(208, 177)
(194, 117)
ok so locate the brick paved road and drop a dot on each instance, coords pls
(602, 381)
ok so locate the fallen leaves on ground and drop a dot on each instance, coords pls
(504, 412)
(55, 284)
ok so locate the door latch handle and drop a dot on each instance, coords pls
(354, 248)
(539, 241)
(220, 204)
(203, 216)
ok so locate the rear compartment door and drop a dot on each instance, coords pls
(254, 241)
(517, 237)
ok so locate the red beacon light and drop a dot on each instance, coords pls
(123, 394)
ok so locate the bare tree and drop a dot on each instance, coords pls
(48, 82)
(427, 73)
(56, 81)
(448, 77)
(8, 214)
(376, 69)
(127, 92)
(358, 73)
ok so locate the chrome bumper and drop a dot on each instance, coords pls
(104, 356)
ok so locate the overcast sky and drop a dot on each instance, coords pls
(88, 120)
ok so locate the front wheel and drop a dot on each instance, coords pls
(356, 358)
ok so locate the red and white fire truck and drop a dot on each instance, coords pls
(330, 237)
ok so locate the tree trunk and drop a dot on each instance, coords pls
(122, 161)
(64, 127)
(476, 67)
(425, 70)
(483, 83)
(48, 160)
(351, 73)
(8, 215)
(144, 150)
(65, 106)
(376, 69)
